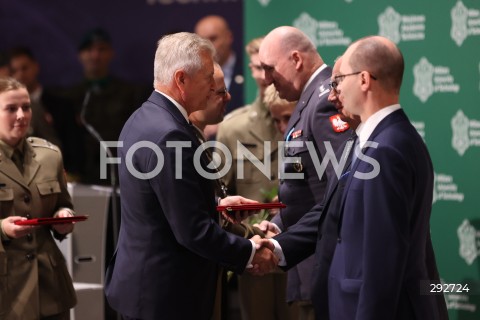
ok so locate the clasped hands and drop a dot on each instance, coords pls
(264, 260)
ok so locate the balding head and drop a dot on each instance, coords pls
(381, 57)
(289, 59)
(370, 77)
(216, 29)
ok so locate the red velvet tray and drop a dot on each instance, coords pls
(254, 206)
(42, 221)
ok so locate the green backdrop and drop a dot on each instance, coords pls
(440, 41)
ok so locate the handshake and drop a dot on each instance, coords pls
(264, 259)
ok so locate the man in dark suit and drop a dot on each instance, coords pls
(318, 230)
(384, 251)
(170, 244)
(291, 62)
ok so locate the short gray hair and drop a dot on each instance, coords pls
(179, 51)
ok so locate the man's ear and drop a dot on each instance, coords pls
(297, 59)
(179, 77)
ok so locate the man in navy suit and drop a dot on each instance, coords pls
(291, 62)
(383, 254)
(170, 244)
(318, 230)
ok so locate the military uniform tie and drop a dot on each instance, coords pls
(17, 158)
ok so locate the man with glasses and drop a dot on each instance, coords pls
(291, 62)
(383, 259)
(317, 231)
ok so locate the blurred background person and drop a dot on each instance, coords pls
(213, 114)
(252, 126)
(280, 109)
(100, 100)
(216, 29)
(35, 283)
(53, 118)
(4, 64)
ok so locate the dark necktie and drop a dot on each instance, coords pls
(221, 188)
(17, 158)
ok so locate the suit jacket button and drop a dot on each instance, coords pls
(30, 256)
(26, 198)
(29, 237)
(339, 239)
(28, 216)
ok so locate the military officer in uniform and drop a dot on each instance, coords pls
(252, 126)
(34, 280)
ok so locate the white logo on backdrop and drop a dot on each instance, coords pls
(264, 3)
(423, 79)
(420, 127)
(444, 189)
(465, 132)
(429, 79)
(467, 236)
(323, 33)
(465, 22)
(397, 27)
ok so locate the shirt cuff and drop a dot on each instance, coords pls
(66, 209)
(277, 228)
(249, 263)
(278, 253)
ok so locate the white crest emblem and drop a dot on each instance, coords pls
(264, 3)
(389, 24)
(308, 25)
(466, 236)
(460, 126)
(459, 31)
(423, 79)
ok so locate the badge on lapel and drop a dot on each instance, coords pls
(297, 134)
(323, 90)
(338, 124)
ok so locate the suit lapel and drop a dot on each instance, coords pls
(161, 101)
(31, 165)
(8, 168)
(396, 116)
(317, 83)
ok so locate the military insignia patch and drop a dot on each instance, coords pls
(297, 134)
(338, 124)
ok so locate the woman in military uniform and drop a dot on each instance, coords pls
(34, 281)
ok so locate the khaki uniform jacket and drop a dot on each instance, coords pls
(252, 126)
(34, 280)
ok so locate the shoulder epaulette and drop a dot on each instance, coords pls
(237, 112)
(41, 143)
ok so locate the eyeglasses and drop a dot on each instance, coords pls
(337, 79)
(222, 92)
